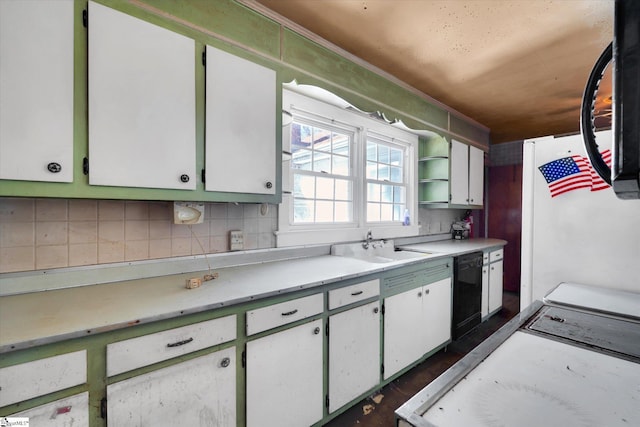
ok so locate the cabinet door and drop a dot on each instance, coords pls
(476, 176)
(437, 313)
(141, 103)
(484, 308)
(240, 140)
(495, 285)
(354, 353)
(36, 90)
(459, 173)
(201, 391)
(68, 412)
(403, 331)
(284, 377)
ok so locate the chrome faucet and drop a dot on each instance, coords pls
(368, 240)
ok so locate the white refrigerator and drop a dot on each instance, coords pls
(574, 228)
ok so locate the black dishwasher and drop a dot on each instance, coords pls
(467, 293)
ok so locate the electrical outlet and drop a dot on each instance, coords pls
(236, 240)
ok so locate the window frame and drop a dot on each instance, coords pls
(338, 115)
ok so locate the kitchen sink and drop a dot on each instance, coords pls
(376, 251)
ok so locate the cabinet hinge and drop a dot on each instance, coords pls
(244, 359)
(203, 175)
(326, 329)
(204, 58)
(85, 18)
(326, 400)
(85, 166)
(382, 368)
(103, 408)
(449, 197)
(383, 309)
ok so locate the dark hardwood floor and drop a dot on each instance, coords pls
(368, 413)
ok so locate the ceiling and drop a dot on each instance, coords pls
(516, 66)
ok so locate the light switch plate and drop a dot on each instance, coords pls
(236, 240)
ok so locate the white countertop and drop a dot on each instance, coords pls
(454, 247)
(36, 318)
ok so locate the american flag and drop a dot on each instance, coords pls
(572, 173)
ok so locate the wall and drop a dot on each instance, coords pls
(39, 233)
(504, 210)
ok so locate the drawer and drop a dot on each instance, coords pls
(275, 315)
(43, 376)
(137, 352)
(354, 293)
(485, 258)
(496, 255)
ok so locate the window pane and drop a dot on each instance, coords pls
(386, 212)
(396, 157)
(398, 212)
(322, 162)
(373, 192)
(371, 151)
(383, 154)
(383, 172)
(343, 212)
(373, 212)
(324, 211)
(303, 210)
(304, 186)
(321, 139)
(340, 166)
(395, 174)
(343, 189)
(324, 188)
(301, 160)
(387, 194)
(398, 194)
(300, 136)
(372, 170)
(341, 144)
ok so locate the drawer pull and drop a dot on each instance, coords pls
(289, 313)
(179, 343)
(353, 294)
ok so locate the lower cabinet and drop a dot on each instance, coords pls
(415, 322)
(285, 377)
(201, 391)
(354, 349)
(495, 285)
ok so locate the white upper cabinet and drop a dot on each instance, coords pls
(240, 140)
(141, 103)
(459, 173)
(36, 90)
(476, 176)
(467, 174)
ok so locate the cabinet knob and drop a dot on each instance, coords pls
(225, 362)
(419, 294)
(376, 310)
(426, 292)
(268, 184)
(54, 167)
(184, 178)
(316, 331)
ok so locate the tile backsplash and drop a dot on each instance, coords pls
(39, 234)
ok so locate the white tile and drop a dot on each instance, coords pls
(22, 210)
(52, 256)
(51, 233)
(136, 230)
(51, 210)
(14, 234)
(110, 252)
(136, 210)
(136, 250)
(17, 259)
(110, 231)
(159, 229)
(83, 210)
(83, 232)
(110, 210)
(83, 254)
(160, 248)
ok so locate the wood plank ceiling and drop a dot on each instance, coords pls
(518, 67)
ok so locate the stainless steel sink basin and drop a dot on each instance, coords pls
(378, 252)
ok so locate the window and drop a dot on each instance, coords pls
(347, 173)
(322, 173)
(386, 181)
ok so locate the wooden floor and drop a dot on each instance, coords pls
(369, 413)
